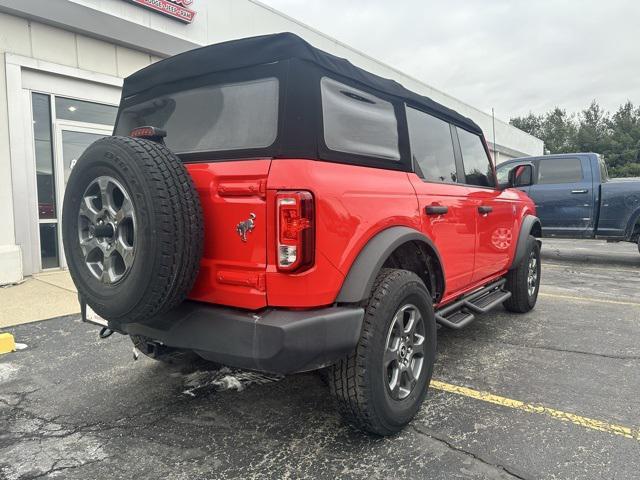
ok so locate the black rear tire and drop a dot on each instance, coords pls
(168, 233)
(523, 299)
(360, 383)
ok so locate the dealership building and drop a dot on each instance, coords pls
(62, 63)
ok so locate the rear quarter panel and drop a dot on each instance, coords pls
(353, 203)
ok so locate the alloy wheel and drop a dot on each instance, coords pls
(107, 229)
(404, 351)
(532, 274)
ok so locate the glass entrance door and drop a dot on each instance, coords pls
(63, 127)
(72, 140)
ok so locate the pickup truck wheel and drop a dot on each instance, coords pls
(132, 229)
(381, 386)
(524, 281)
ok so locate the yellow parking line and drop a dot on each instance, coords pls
(585, 422)
(585, 299)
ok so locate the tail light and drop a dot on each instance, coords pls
(151, 133)
(296, 230)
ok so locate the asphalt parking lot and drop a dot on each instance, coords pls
(552, 394)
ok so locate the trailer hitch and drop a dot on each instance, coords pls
(89, 316)
(105, 332)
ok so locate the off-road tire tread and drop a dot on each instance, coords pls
(347, 379)
(517, 282)
(178, 222)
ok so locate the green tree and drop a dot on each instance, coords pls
(532, 124)
(593, 129)
(616, 137)
(623, 152)
(559, 131)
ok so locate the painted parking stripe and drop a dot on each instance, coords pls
(565, 266)
(585, 299)
(585, 422)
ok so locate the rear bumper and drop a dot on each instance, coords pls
(272, 340)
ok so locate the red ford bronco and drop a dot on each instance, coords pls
(270, 206)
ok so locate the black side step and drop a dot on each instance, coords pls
(461, 312)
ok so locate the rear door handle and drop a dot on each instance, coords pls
(582, 190)
(436, 209)
(484, 209)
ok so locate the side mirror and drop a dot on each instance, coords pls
(520, 176)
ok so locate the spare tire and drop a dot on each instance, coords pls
(132, 229)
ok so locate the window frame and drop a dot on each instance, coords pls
(539, 170)
(327, 154)
(207, 90)
(331, 84)
(483, 141)
(604, 170)
(415, 168)
(276, 70)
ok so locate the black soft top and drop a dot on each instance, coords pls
(270, 49)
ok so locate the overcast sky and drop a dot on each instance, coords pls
(514, 55)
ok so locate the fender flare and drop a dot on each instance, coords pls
(364, 270)
(529, 222)
(634, 218)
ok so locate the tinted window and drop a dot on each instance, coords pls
(604, 173)
(358, 122)
(560, 170)
(212, 118)
(477, 167)
(431, 147)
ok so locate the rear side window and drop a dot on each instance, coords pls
(357, 122)
(604, 173)
(431, 147)
(560, 170)
(477, 166)
(233, 116)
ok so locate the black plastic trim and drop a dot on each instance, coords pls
(365, 268)
(271, 340)
(525, 230)
(467, 306)
(436, 209)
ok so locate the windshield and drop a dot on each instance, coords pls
(233, 116)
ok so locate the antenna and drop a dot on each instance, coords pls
(493, 119)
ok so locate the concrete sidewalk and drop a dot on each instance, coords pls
(46, 295)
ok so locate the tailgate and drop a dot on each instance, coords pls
(233, 197)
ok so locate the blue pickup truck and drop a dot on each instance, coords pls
(575, 197)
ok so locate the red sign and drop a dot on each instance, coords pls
(172, 8)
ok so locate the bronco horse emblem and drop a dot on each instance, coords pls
(245, 227)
